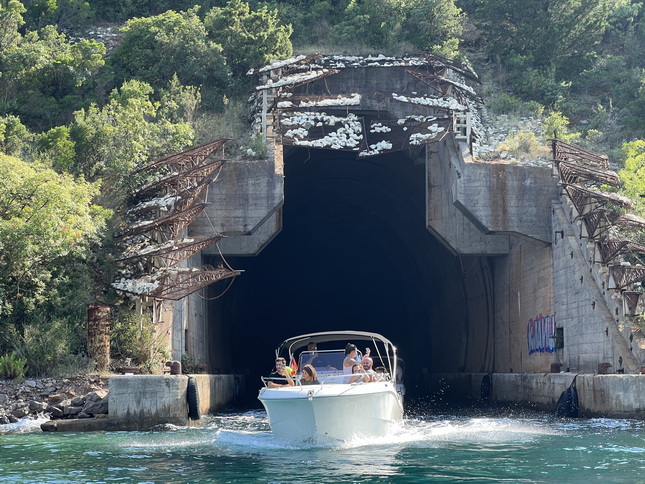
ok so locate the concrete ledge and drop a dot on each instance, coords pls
(140, 402)
(614, 396)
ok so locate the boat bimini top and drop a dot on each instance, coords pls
(385, 351)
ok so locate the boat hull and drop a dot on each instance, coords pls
(333, 412)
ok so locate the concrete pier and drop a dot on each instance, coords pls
(612, 396)
(140, 402)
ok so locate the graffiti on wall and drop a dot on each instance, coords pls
(539, 333)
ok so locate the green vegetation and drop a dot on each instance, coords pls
(134, 339)
(12, 367)
(78, 119)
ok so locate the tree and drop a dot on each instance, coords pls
(123, 135)
(544, 43)
(155, 49)
(249, 38)
(45, 76)
(10, 21)
(47, 222)
(633, 173)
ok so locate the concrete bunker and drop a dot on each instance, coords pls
(370, 210)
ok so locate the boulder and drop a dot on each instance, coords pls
(96, 407)
(71, 410)
(55, 411)
(35, 406)
(20, 412)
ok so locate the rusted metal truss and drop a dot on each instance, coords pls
(442, 84)
(177, 182)
(629, 220)
(171, 252)
(563, 151)
(610, 248)
(297, 79)
(189, 159)
(598, 220)
(286, 66)
(175, 283)
(168, 227)
(625, 275)
(585, 197)
(631, 299)
(173, 203)
(572, 173)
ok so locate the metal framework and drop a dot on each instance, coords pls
(624, 275)
(179, 181)
(189, 159)
(572, 173)
(175, 283)
(170, 226)
(172, 252)
(610, 248)
(563, 151)
(583, 197)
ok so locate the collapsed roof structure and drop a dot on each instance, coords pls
(304, 102)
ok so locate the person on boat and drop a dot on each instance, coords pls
(309, 358)
(367, 363)
(281, 377)
(309, 376)
(350, 358)
(380, 373)
(359, 374)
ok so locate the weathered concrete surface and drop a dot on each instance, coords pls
(246, 194)
(217, 391)
(496, 198)
(139, 402)
(613, 396)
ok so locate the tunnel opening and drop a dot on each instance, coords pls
(354, 253)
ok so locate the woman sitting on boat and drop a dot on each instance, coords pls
(359, 374)
(309, 376)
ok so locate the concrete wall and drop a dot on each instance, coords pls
(139, 402)
(614, 396)
(245, 195)
(587, 309)
(523, 303)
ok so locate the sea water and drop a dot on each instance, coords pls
(473, 446)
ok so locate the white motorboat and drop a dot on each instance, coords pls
(334, 408)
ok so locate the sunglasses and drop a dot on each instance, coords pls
(307, 371)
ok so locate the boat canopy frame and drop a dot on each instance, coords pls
(293, 344)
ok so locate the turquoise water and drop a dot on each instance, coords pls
(465, 446)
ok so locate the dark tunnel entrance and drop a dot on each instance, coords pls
(354, 253)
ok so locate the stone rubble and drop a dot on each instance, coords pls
(82, 396)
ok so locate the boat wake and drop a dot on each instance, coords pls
(251, 430)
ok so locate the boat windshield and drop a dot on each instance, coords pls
(325, 362)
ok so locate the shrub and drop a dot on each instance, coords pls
(12, 367)
(133, 337)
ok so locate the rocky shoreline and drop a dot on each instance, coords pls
(82, 396)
